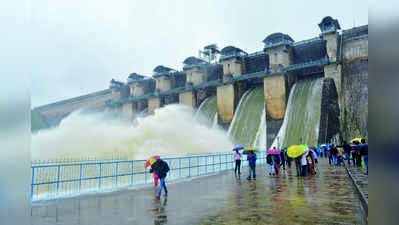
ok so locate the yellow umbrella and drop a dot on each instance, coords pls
(295, 151)
(251, 149)
(356, 139)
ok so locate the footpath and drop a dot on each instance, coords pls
(329, 197)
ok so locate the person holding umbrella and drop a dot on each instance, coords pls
(160, 168)
(252, 164)
(148, 163)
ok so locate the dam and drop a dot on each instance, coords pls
(88, 152)
(222, 77)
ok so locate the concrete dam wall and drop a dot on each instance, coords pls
(339, 56)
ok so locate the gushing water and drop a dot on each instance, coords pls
(248, 126)
(207, 112)
(172, 130)
(302, 118)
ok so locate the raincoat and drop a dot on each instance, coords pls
(161, 168)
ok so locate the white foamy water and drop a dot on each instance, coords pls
(172, 130)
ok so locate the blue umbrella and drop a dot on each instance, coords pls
(238, 148)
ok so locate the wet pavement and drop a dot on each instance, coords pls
(360, 178)
(328, 197)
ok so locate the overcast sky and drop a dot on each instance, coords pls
(79, 46)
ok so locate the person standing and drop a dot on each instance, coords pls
(160, 168)
(347, 151)
(282, 155)
(298, 166)
(334, 154)
(237, 160)
(270, 162)
(359, 157)
(289, 159)
(304, 165)
(252, 164)
(364, 151)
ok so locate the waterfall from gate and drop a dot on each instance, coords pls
(302, 117)
(248, 127)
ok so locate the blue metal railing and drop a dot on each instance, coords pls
(69, 179)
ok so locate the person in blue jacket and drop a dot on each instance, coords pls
(161, 168)
(252, 164)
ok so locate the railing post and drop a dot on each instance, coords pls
(220, 162)
(213, 162)
(206, 164)
(145, 176)
(58, 179)
(80, 178)
(198, 167)
(226, 162)
(179, 167)
(99, 177)
(131, 178)
(189, 166)
(116, 173)
(33, 181)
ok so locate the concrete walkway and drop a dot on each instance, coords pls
(326, 198)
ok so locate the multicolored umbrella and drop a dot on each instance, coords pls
(356, 139)
(304, 147)
(294, 151)
(238, 148)
(273, 152)
(151, 160)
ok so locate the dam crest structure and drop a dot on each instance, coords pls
(338, 56)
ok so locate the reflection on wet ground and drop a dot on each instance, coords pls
(326, 198)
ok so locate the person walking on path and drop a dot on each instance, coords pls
(160, 168)
(334, 154)
(310, 159)
(237, 160)
(270, 162)
(304, 165)
(289, 159)
(347, 151)
(155, 179)
(358, 155)
(252, 164)
(364, 151)
(276, 164)
(282, 155)
(298, 166)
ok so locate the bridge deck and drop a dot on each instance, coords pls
(326, 198)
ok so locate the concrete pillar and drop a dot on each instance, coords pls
(164, 82)
(153, 103)
(275, 96)
(332, 45)
(335, 71)
(226, 102)
(276, 92)
(127, 111)
(233, 66)
(196, 75)
(188, 98)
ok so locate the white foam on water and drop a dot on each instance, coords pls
(171, 130)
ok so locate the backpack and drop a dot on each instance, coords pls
(269, 159)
